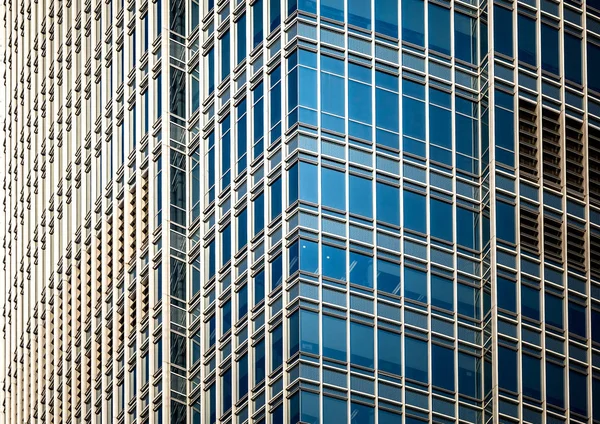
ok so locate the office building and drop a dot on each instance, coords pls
(269, 211)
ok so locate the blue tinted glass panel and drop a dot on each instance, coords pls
(415, 284)
(361, 269)
(503, 31)
(507, 362)
(388, 277)
(442, 367)
(333, 9)
(386, 17)
(416, 356)
(414, 212)
(577, 387)
(388, 204)
(361, 345)
(532, 385)
(527, 40)
(439, 29)
(361, 196)
(334, 262)
(359, 13)
(389, 348)
(465, 38)
(549, 45)
(334, 410)
(413, 22)
(334, 338)
(573, 59)
(441, 220)
(442, 292)
(333, 188)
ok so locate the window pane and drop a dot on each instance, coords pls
(361, 345)
(359, 13)
(442, 363)
(334, 338)
(333, 188)
(334, 262)
(549, 45)
(388, 277)
(442, 292)
(532, 377)
(439, 29)
(361, 196)
(415, 284)
(414, 212)
(416, 359)
(389, 349)
(388, 204)
(386, 17)
(503, 31)
(361, 269)
(413, 22)
(527, 40)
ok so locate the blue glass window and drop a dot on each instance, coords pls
(274, 14)
(225, 56)
(359, 13)
(242, 229)
(275, 106)
(361, 344)
(361, 269)
(530, 302)
(415, 284)
(226, 245)
(442, 367)
(469, 375)
(389, 349)
(577, 319)
(386, 17)
(276, 198)
(507, 294)
(334, 410)
(388, 277)
(226, 390)
(439, 29)
(242, 137)
(527, 40)
(578, 385)
(507, 362)
(242, 302)
(276, 272)
(532, 379)
(240, 26)
(361, 196)
(465, 38)
(506, 228)
(415, 213)
(334, 338)
(226, 317)
(441, 220)
(388, 204)
(257, 20)
(413, 22)
(259, 287)
(550, 53)
(503, 31)
(333, 9)
(361, 414)
(442, 292)
(334, 262)
(259, 214)
(258, 109)
(469, 301)
(416, 356)
(553, 310)
(259, 362)
(333, 188)
(573, 59)
(467, 228)
(593, 64)
(277, 347)
(555, 384)
(242, 385)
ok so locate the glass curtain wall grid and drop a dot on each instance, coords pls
(282, 211)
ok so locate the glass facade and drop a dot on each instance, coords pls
(316, 211)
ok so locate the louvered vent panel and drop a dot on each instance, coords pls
(551, 149)
(574, 158)
(528, 141)
(553, 239)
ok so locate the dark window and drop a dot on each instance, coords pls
(389, 348)
(442, 367)
(416, 359)
(503, 31)
(527, 40)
